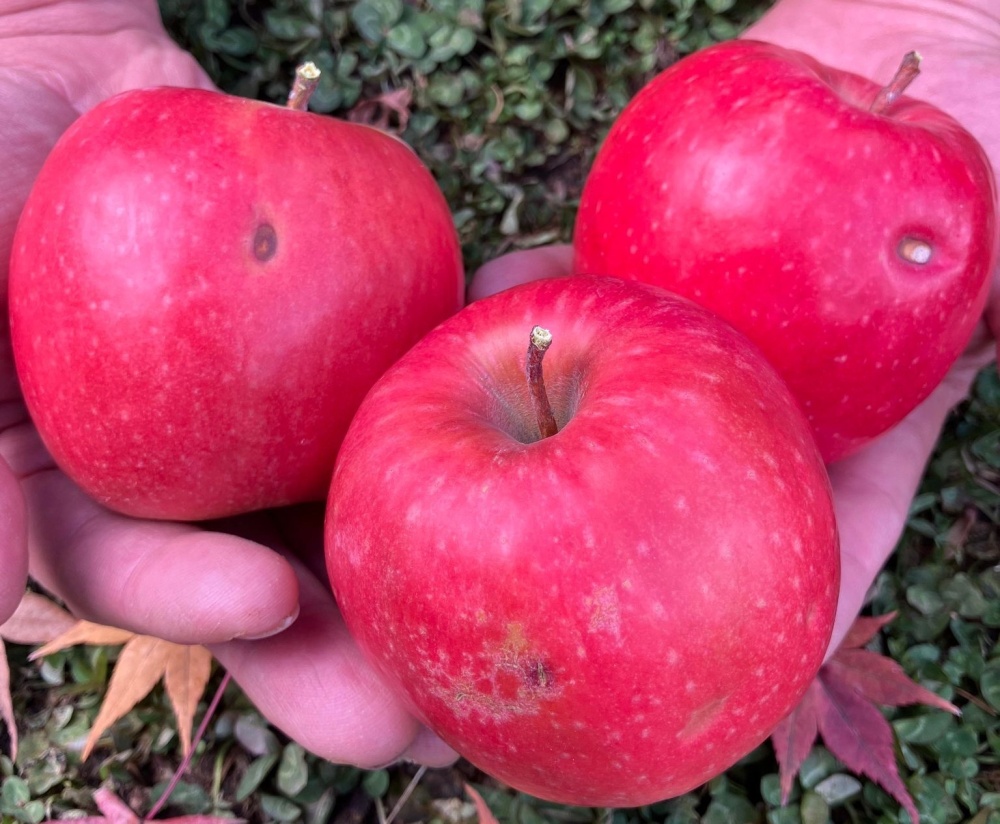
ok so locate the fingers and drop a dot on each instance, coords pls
(521, 267)
(313, 683)
(872, 490)
(174, 581)
(13, 542)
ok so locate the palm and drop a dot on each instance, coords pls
(45, 83)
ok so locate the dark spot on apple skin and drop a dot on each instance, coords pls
(265, 242)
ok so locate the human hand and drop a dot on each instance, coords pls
(250, 577)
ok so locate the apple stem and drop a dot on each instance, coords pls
(539, 343)
(904, 76)
(306, 80)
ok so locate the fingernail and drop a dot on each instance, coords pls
(281, 627)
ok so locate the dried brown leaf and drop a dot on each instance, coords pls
(36, 620)
(485, 814)
(376, 111)
(187, 674)
(141, 664)
(84, 632)
(7, 701)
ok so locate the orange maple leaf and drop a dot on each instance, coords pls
(484, 813)
(35, 621)
(143, 661)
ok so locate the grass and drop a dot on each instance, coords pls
(509, 100)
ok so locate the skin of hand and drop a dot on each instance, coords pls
(224, 588)
(960, 43)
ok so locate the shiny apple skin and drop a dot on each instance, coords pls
(756, 182)
(203, 288)
(611, 615)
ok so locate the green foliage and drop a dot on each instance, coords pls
(509, 97)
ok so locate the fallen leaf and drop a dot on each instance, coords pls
(115, 811)
(376, 111)
(143, 661)
(841, 706)
(188, 671)
(864, 629)
(794, 737)
(7, 703)
(36, 620)
(84, 632)
(882, 680)
(485, 814)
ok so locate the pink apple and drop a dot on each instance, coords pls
(617, 612)
(204, 287)
(853, 245)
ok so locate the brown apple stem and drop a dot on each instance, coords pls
(904, 76)
(539, 343)
(306, 80)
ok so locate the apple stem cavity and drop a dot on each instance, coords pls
(539, 342)
(305, 83)
(904, 76)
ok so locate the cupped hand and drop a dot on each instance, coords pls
(224, 587)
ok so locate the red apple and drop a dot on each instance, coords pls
(204, 287)
(852, 242)
(612, 614)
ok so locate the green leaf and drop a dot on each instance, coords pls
(407, 40)
(934, 802)
(376, 783)
(838, 788)
(770, 789)
(923, 729)
(279, 809)
(532, 11)
(14, 793)
(255, 775)
(191, 798)
(925, 601)
(293, 772)
(373, 18)
(290, 27)
(958, 742)
(729, 808)
(989, 684)
(964, 596)
(819, 764)
(814, 809)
